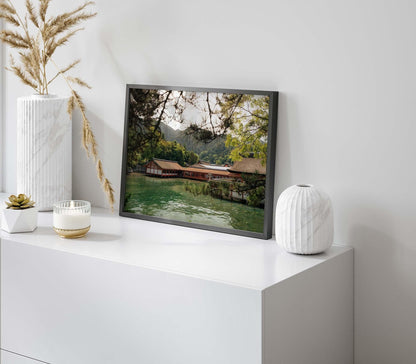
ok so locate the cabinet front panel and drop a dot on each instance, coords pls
(65, 308)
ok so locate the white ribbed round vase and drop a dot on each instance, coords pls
(44, 149)
(304, 220)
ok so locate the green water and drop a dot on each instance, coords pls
(167, 198)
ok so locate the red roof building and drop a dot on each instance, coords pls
(170, 169)
(206, 174)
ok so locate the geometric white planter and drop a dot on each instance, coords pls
(304, 220)
(44, 149)
(19, 221)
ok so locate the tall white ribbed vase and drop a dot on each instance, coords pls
(304, 220)
(44, 149)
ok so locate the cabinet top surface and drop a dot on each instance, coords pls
(234, 260)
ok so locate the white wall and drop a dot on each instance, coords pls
(347, 119)
(1, 108)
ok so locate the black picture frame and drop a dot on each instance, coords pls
(270, 162)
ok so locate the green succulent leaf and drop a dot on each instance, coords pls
(21, 202)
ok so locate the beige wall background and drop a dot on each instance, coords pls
(347, 119)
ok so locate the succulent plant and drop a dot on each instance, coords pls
(21, 202)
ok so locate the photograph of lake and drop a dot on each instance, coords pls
(197, 157)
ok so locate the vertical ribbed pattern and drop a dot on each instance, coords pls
(304, 220)
(44, 150)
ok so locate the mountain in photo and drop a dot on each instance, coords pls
(214, 152)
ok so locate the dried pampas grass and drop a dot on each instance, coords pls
(36, 44)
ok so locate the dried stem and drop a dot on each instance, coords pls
(88, 139)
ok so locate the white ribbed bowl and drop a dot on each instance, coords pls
(44, 149)
(304, 220)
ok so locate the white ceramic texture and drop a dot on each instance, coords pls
(304, 220)
(44, 149)
(19, 221)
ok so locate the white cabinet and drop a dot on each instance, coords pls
(7, 357)
(126, 295)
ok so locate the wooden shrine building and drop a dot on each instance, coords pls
(163, 168)
(249, 165)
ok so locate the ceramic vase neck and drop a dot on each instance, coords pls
(43, 97)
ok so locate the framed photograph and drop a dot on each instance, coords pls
(202, 158)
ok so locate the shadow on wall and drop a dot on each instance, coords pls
(283, 171)
(385, 291)
(287, 130)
